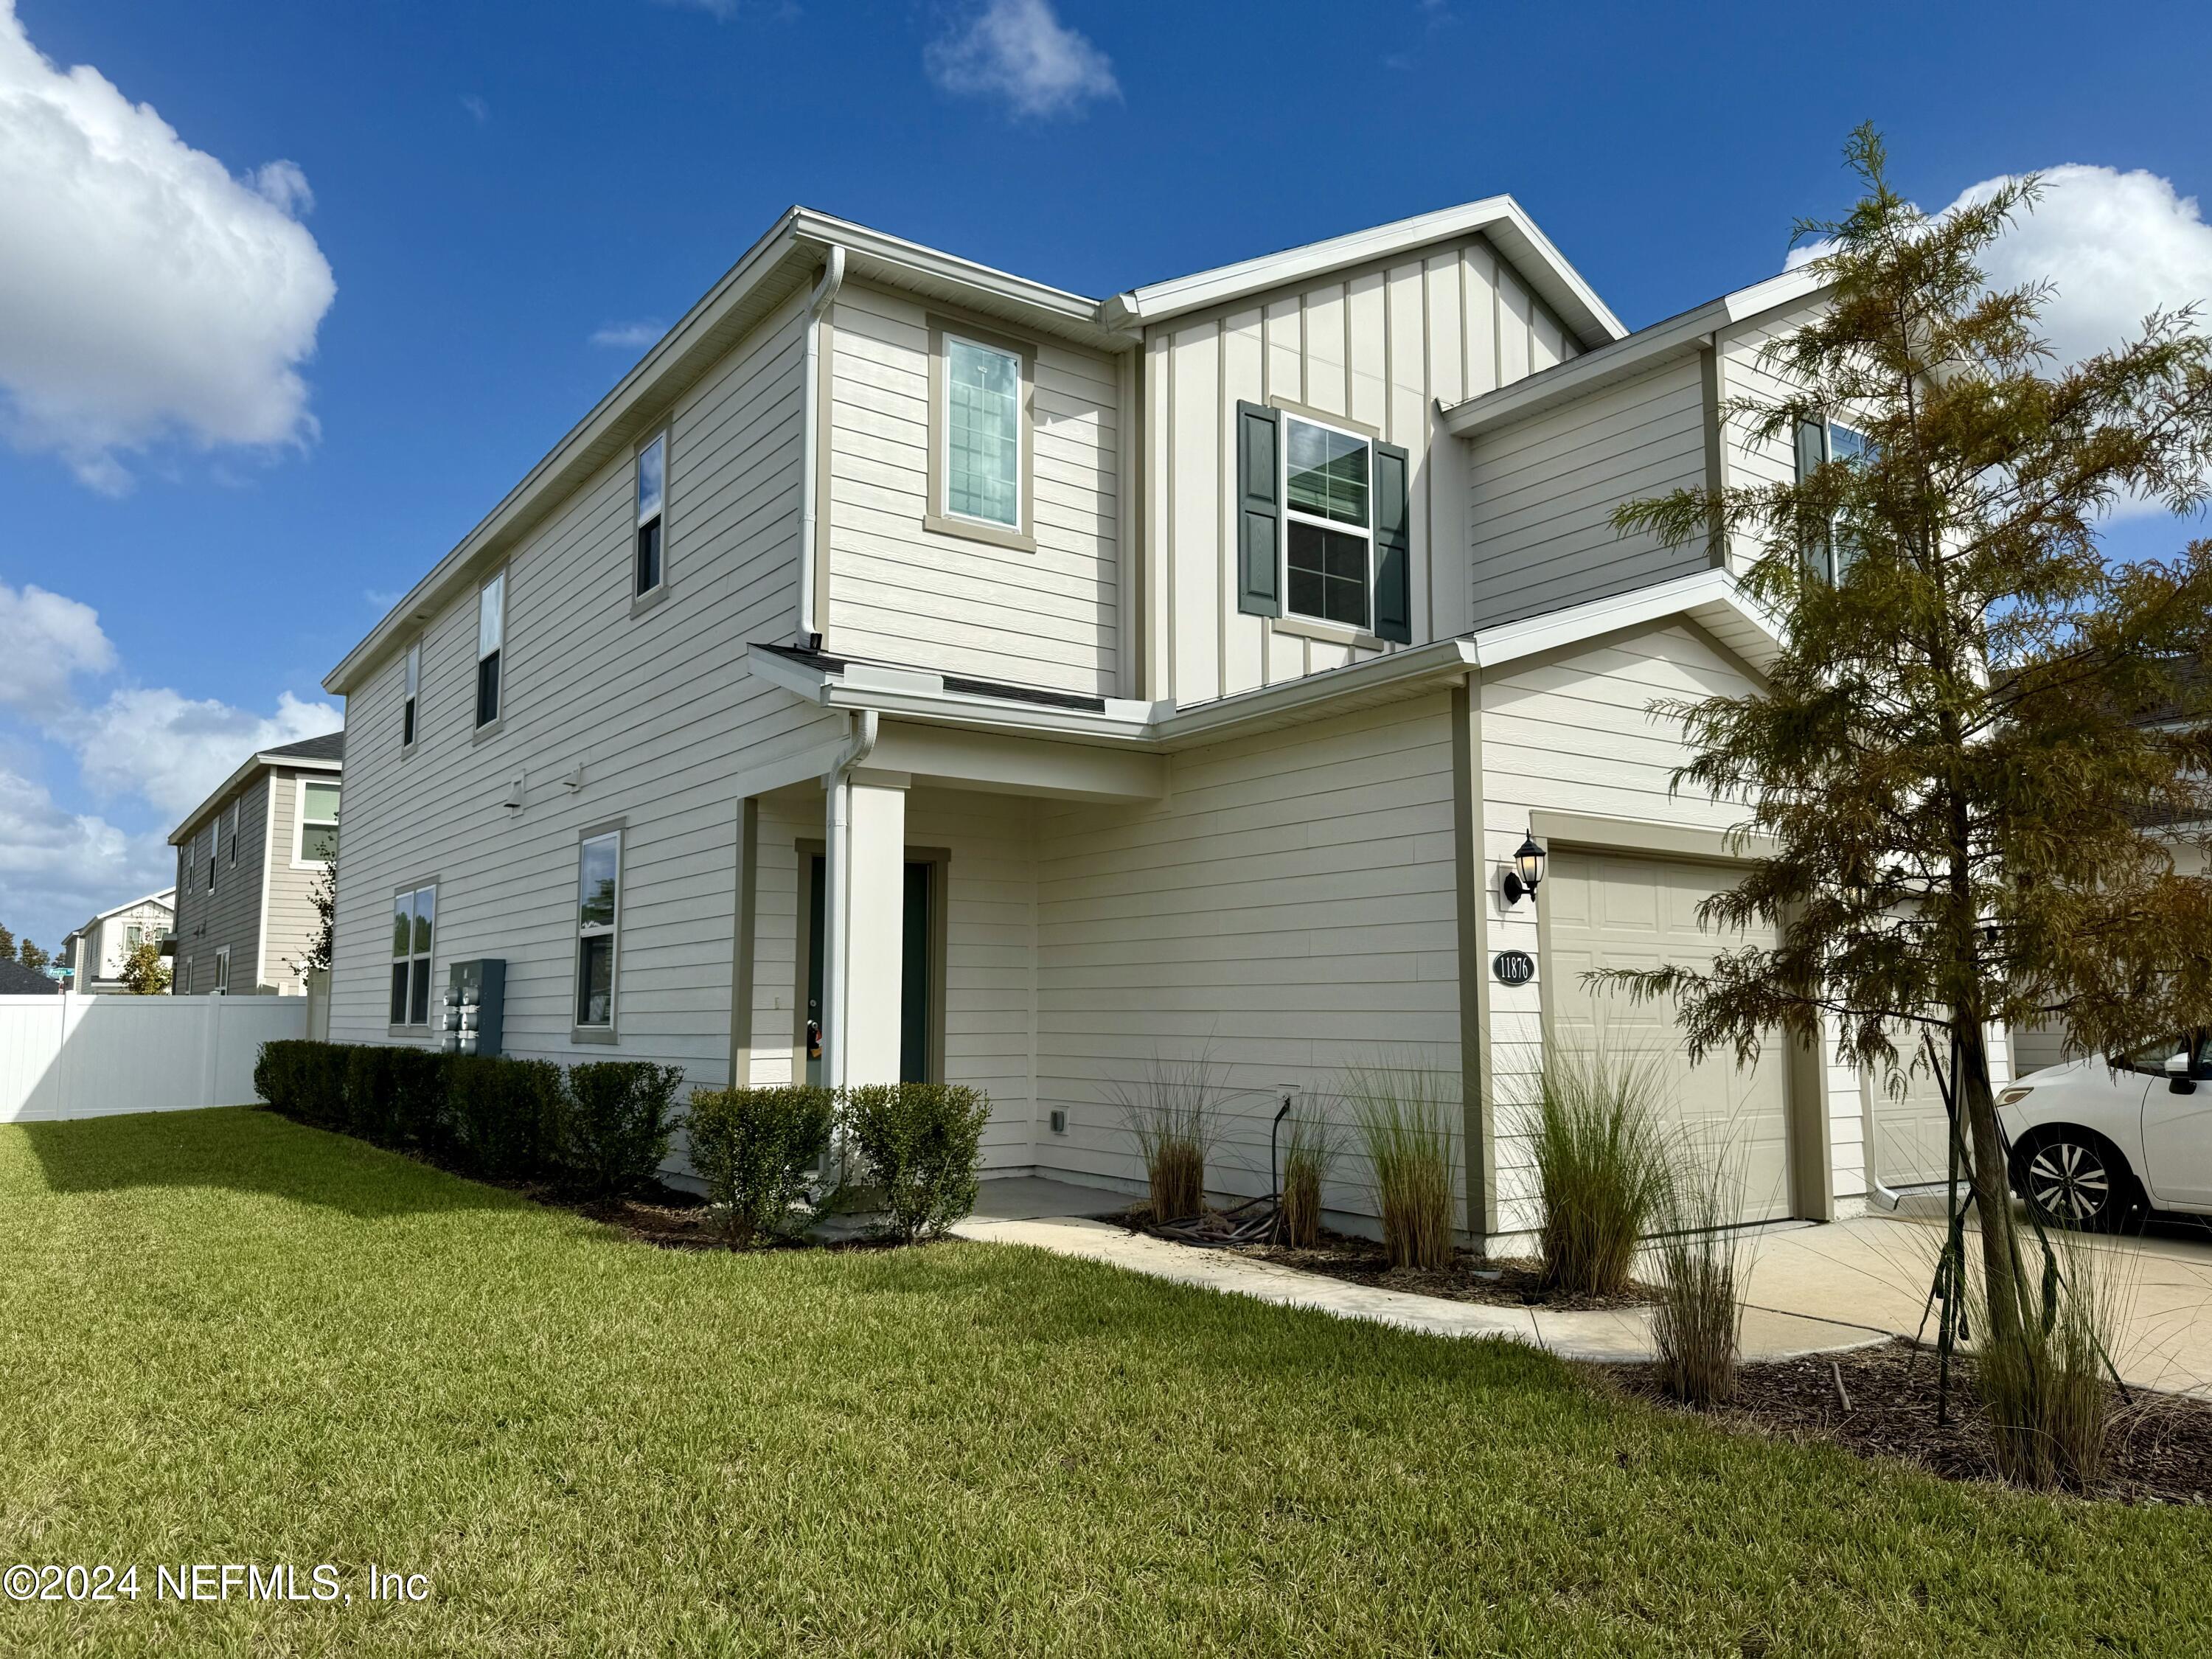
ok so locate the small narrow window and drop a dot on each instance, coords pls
(414, 927)
(598, 918)
(319, 822)
(651, 489)
(1818, 443)
(491, 628)
(232, 832)
(223, 970)
(1329, 531)
(213, 829)
(983, 434)
(414, 686)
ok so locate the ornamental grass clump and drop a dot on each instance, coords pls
(755, 1149)
(1602, 1168)
(1310, 1147)
(2049, 1395)
(1174, 1111)
(1696, 1325)
(1403, 1117)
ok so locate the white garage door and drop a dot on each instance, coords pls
(1911, 1131)
(1608, 911)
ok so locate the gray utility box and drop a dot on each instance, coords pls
(468, 1017)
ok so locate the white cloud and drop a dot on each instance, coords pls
(173, 750)
(146, 293)
(45, 640)
(480, 111)
(2116, 246)
(1020, 50)
(58, 868)
(630, 336)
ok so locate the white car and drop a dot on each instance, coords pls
(2095, 1141)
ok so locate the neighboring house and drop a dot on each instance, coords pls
(17, 980)
(95, 953)
(249, 859)
(1021, 685)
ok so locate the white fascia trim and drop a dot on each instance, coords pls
(1499, 217)
(1648, 348)
(183, 832)
(1706, 596)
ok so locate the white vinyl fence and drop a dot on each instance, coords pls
(93, 1056)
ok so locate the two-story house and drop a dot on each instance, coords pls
(249, 860)
(910, 669)
(95, 952)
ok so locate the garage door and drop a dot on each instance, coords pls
(1911, 1131)
(1606, 911)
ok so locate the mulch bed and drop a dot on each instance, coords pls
(2158, 1448)
(1505, 1282)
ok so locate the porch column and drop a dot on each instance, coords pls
(865, 929)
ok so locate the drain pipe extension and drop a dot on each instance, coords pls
(812, 610)
(862, 729)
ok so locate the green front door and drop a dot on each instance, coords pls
(917, 1013)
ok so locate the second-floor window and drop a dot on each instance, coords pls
(1817, 442)
(231, 832)
(212, 830)
(414, 688)
(1328, 536)
(651, 493)
(982, 433)
(319, 822)
(491, 633)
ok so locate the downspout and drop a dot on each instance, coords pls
(862, 728)
(810, 611)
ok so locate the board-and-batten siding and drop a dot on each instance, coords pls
(1542, 491)
(990, 947)
(657, 708)
(231, 915)
(901, 592)
(1575, 733)
(1380, 347)
(1289, 910)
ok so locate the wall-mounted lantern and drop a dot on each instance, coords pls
(1526, 873)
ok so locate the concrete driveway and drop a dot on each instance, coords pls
(1873, 1270)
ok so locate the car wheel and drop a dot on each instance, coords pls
(2074, 1178)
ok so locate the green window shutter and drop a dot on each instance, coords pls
(1394, 545)
(1259, 511)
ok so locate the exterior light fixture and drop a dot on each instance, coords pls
(1526, 873)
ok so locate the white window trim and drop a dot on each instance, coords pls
(299, 816)
(428, 960)
(1021, 419)
(642, 600)
(578, 1031)
(215, 832)
(411, 695)
(1020, 535)
(485, 728)
(233, 832)
(223, 970)
(1365, 627)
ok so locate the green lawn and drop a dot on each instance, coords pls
(226, 1338)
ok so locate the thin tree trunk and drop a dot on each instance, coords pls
(1992, 1192)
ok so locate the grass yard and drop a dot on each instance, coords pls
(225, 1338)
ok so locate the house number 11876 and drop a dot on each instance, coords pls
(1513, 967)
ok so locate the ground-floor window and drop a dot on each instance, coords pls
(599, 921)
(414, 928)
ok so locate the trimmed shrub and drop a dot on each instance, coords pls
(615, 1124)
(753, 1149)
(304, 1080)
(1602, 1168)
(922, 1143)
(505, 1114)
(417, 1080)
(1404, 1119)
(369, 1103)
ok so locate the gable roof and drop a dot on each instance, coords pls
(166, 897)
(1501, 220)
(786, 260)
(1672, 337)
(17, 980)
(324, 754)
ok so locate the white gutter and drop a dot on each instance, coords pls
(825, 292)
(864, 728)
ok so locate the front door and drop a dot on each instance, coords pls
(917, 1009)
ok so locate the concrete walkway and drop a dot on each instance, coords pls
(1874, 1270)
(1055, 1216)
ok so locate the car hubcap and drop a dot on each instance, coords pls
(2069, 1181)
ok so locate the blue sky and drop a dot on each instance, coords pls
(475, 192)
